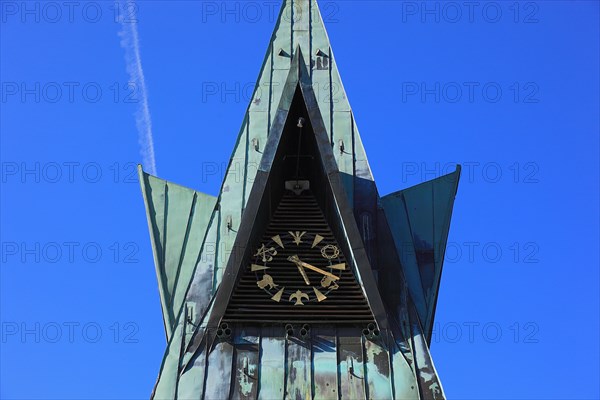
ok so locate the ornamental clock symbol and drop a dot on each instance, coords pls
(282, 270)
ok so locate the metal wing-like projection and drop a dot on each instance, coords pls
(419, 219)
(178, 219)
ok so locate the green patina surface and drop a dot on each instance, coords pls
(193, 235)
(419, 219)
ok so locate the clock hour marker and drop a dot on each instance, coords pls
(255, 267)
(318, 239)
(277, 296)
(320, 296)
(277, 239)
(267, 280)
(297, 236)
(299, 295)
(329, 283)
(340, 267)
(267, 253)
(330, 252)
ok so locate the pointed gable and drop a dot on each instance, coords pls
(419, 219)
(178, 219)
(326, 175)
(298, 225)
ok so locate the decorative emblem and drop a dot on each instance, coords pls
(267, 253)
(267, 280)
(329, 283)
(330, 252)
(297, 237)
(299, 295)
(308, 250)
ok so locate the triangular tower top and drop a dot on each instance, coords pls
(298, 147)
(299, 28)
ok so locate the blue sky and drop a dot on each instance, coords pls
(508, 89)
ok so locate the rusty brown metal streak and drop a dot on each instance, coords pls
(299, 385)
(246, 364)
(350, 364)
(324, 364)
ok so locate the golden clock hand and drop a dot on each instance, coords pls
(296, 260)
(319, 270)
(303, 273)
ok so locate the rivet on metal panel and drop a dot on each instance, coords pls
(342, 147)
(190, 312)
(255, 144)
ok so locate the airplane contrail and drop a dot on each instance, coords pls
(131, 44)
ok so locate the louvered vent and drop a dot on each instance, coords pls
(344, 304)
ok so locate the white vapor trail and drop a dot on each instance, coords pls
(131, 44)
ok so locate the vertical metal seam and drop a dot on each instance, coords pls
(206, 366)
(365, 369)
(391, 345)
(339, 362)
(234, 357)
(286, 371)
(331, 97)
(403, 339)
(412, 239)
(184, 244)
(416, 363)
(216, 265)
(310, 39)
(164, 241)
(292, 31)
(353, 160)
(270, 89)
(246, 157)
(181, 351)
(312, 369)
(258, 367)
(430, 306)
(389, 358)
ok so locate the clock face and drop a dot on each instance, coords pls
(298, 267)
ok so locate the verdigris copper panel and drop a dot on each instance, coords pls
(325, 364)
